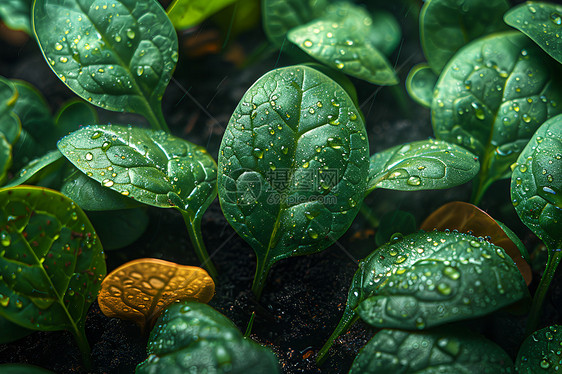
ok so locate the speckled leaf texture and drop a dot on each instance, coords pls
(536, 183)
(431, 352)
(427, 279)
(422, 165)
(51, 261)
(448, 25)
(152, 167)
(540, 352)
(280, 16)
(293, 164)
(195, 338)
(340, 39)
(492, 97)
(118, 54)
(541, 22)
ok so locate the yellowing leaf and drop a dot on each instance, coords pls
(141, 289)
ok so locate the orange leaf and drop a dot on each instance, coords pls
(141, 289)
(464, 217)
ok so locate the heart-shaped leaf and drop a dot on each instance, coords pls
(420, 84)
(5, 157)
(72, 115)
(152, 167)
(188, 13)
(536, 184)
(541, 22)
(447, 25)
(538, 353)
(141, 289)
(434, 351)
(118, 55)
(193, 337)
(51, 261)
(293, 165)
(10, 125)
(428, 279)
(491, 98)
(465, 217)
(16, 14)
(339, 40)
(422, 165)
(280, 16)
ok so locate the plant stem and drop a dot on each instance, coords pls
(156, 118)
(84, 346)
(262, 271)
(193, 225)
(349, 318)
(479, 188)
(401, 98)
(536, 307)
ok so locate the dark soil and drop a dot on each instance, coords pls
(305, 296)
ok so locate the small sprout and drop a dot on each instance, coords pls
(141, 289)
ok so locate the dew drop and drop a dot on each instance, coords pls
(58, 46)
(258, 153)
(414, 181)
(5, 238)
(130, 34)
(105, 146)
(107, 183)
(556, 18)
(140, 70)
(307, 43)
(4, 300)
(89, 156)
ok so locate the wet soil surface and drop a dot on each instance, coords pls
(304, 296)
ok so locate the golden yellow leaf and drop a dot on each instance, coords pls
(141, 289)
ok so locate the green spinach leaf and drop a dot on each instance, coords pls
(293, 165)
(427, 279)
(537, 353)
(72, 115)
(118, 55)
(11, 332)
(280, 16)
(188, 13)
(35, 168)
(491, 98)
(51, 262)
(541, 22)
(16, 14)
(434, 351)
(448, 25)
(421, 165)
(420, 84)
(10, 125)
(340, 40)
(193, 337)
(536, 188)
(151, 167)
(385, 32)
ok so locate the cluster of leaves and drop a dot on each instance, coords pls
(293, 169)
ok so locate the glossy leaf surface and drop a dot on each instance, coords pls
(16, 14)
(434, 351)
(152, 167)
(538, 353)
(448, 25)
(540, 21)
(420, 84)
(5, 157)
(188, 13)
(119, 55)
(141, 289)
(492, 97)
(118, 229)
(536, 183)
(468, 218)
(34, 168)
(73, 115)
(193, 337)
(52, 262)
(421, 165)
(280, 16)
(10, 125)
(91, 195)
(293, 165)
(11, 332)
(339, 40)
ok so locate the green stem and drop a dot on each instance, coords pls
(84, 346)
(262, 271)
(369, 216)
(250, 325)
(538, 299)
(156, 118)
(193, 225)
(479, 188)
(349, 318)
